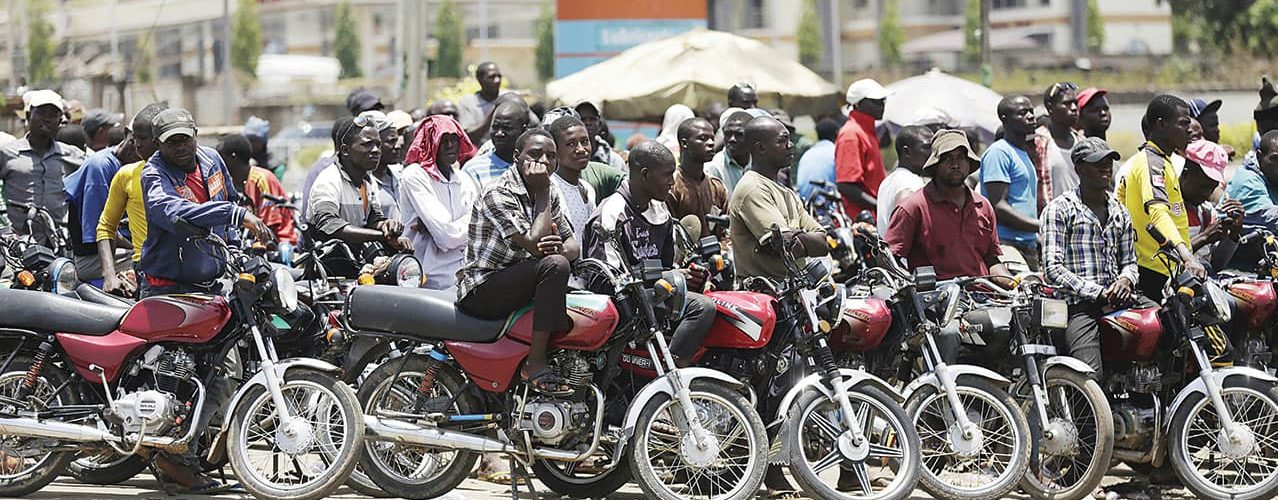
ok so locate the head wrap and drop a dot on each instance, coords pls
(426, 142)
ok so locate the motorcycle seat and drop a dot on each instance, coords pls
(89, 293)
(47, 312)
(428, 314)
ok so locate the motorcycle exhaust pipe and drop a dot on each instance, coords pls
(378, 429)
(52, 429)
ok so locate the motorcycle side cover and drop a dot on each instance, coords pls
(1130, 334)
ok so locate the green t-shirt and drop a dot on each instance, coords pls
(756, 204)
(603, 178)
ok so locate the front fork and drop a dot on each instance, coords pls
(662, 358)
(936, 364)
(273, 385)
(1213, 389)
(825, 359)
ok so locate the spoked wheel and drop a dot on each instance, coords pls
(727, 461)
(982, 462)
(594, 477)
(1075, 448)
(1217, 462)
(827, 461)
(23, 467)
(306, 456)
(406, 470)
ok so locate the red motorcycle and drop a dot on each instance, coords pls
(84, 377)
(1253, 299)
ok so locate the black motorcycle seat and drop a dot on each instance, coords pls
(427, 314)
(89, 293)
(47, 312)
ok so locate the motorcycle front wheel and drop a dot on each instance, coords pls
(1072, 463)
(1215, 463)
(886, 467)
(726, 462)
(981, 465)
(309, 455)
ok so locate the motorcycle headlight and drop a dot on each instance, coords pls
(63, 275)
(408, 271)
(1219, 300)
(1053, 313)
(285, 288)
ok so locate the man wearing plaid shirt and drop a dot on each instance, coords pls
(1088, 248)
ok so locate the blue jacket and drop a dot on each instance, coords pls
(87, 190)
(1250, 188)
(167, 254)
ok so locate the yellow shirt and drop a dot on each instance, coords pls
(125, 196)
(1152, 194)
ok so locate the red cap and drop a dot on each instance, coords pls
(1086, 95)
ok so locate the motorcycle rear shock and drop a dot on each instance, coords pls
(431, 369)
(33, 372)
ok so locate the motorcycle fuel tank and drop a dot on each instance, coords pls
(744, 320)
(1255, 301)
(1130, 334)
(865, 323)
(191, 319)
(594, 318)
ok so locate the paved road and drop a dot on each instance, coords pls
(145, 487)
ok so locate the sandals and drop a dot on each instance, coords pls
(548, 383)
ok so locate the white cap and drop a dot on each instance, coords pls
(399, 119)
(866, 88)
(37, 98)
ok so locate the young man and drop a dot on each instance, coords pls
(573, 149)
(858, 162)
(386, 175)
(650, 229)
(1010, 181)
(817, 163)
(125, 198)
(602, 151)
(945, 224)
(436, 199)
(1255, 185)
(31, 168)
(1054, 141)
(510, 120)
(694, 192)
(913, 148)
(253, 182)
(730, 164)
(761, 202)
(1213, 238)
(742, 95)
(97, 125)
(520, 248)
(475, 111)
(86, 192)
(1151, 191)
(1088, 249)
(344, 203)
(1093, 112)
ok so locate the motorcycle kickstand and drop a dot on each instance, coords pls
(516, 474)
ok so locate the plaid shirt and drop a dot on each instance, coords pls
(503, 210)
(1083, 255)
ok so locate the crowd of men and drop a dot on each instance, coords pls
(497, 200)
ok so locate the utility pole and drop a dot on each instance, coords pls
(986, 70)
(483, 30)
(228, 71)
(415, 36)
(11, 34)
(836, 44)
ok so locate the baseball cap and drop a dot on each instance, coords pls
(36, 98)
(944, 141)
(1199, 106)
(1086, 95)
(171, 122)
(362, 100)
(376, 118)
(866, 88)
(98, 118)
(1092, 150)
(399, 119)
(554, 115)
(588, 102)
(1210, 156)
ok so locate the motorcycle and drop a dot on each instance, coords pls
(1252, 303)
(1069, 415)
(83, 377)
(826, 205)
(689, 431)
(1171, 403)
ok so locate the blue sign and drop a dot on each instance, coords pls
(581, 43)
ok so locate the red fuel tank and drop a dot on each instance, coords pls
(594, 318)
(1130, 334)
(193, 319)
(1256, 301)
(745, 320)
(865, 323)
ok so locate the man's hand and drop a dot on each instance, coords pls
(1192, 265)
(1234, 209)
(696, 276)
(537, 175)
(1006, 282)
(1215, 230)
(390, 229)
(117, 282)
(550, 244)
(257, 227)
(1118, 292)
(402, 244)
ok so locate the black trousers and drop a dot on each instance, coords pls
(698, 317)
(544, 282)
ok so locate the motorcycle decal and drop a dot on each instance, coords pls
(737, 317)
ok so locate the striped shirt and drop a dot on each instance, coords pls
(1083, 255)
(486, 168)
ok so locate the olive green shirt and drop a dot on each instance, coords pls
(756, 204)
(603, 177)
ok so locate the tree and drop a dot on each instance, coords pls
(545, 51)
(972, 33)
(809, 33)
(1261, 27)
(346, 41)
(1095, 28)
(450, 37)
(1216, 25)
(890, 34)
(246, 37)
(143, 59)
(40, 44)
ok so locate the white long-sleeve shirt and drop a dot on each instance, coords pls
(436, 216)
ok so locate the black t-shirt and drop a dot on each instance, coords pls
(651, 232)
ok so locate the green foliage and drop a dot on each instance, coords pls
(346, 41)
(971, 33)
(450, 36)
(1238, 135)
(891, 36)
(809, 34)
(143, 60)
(1220, 25)
(40, 44)
(246, 37)
(545, 51)
(1095, 28)
(1261, 27)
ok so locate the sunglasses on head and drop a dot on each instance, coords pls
(1059, 87)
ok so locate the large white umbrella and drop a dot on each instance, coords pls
(965, 103)
(695, 69)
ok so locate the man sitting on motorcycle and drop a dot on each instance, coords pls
(641, 203)
(343, 202)
(520, 249)
(1088, 249)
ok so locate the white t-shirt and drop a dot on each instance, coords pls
(577, 208)
(901, 179)
(1064, 178)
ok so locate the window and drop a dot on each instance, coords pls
(1008, 4)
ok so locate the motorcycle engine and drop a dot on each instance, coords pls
(1140, 378)
(155, 408)
(552, 420)
(1134, 426)
(152, 412)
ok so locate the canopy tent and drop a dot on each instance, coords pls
(695, 69)
(963, 103)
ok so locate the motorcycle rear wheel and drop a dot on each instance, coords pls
(1093, 426)
(28, 475)
(1195, 442)
(106, 468)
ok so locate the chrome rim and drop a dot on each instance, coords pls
(986, 468)
(685, 474)
(1065, 459)
(407, 463)
(14, 460)
(884, 465)
(1207, 450)
(311, 454)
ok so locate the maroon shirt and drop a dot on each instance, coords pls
(929, 231)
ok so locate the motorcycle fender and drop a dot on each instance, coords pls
(283, 366)
(953, 372)
(1070, 363)
(1221, 375)
(662, 385)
